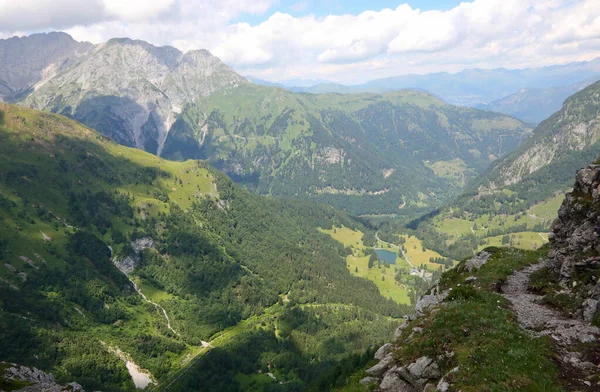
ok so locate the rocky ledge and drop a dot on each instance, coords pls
(14, 377)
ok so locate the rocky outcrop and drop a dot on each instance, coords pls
(431, 300)
(575, 244)
(128, 263)
(477, 261)
(36, 380)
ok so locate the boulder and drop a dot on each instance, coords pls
(379, 369)
(400, 329)
(477, 261)
(443, 386)
(425, 368)
(430, 387)
(398, 379)
(470, 279)
(383, 351)
(368, 380)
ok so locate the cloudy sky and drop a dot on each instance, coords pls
(345, 41)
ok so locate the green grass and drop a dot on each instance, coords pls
(455, 170)
(154, 294)
(526, 240)
(502, 263)
(454, 227)
(549, 208)
(358, 264)
(253, 382)
(414, 251)
(493, 353)
(476, 324)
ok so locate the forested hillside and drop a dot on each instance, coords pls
(521, 192)
(113, 255)
(396, 153)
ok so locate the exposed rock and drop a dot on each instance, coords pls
(383, 351)
(429, 387)
(368, 380)
(424, 367)
(138, 87)
(477, 261)
(430, 300)
(400, 329)
(443, 386)
(128, 263)
(575, 242)
(393, 382)
(470, 279)
(417, 330)
(379, 369)
(142, 243)
(27, 61)
(39, 380)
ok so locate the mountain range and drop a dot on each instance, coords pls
(359, 153)
(475, 86)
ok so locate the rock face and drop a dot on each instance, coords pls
(431, 300)
(133, 91)
(38, 380)
(128, 263)
(423, 374)
(477, 261)
(30, 61)
(575, 242)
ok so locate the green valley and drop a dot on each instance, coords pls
(82, 216)
(396, 153)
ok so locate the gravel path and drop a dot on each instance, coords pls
(532, 315)
(567, 333)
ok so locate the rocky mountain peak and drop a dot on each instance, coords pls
(27, 61)
(133, 91)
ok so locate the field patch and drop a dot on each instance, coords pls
(358, 264)
(526, 240)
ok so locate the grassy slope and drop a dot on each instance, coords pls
(43, 157)
(492, 352)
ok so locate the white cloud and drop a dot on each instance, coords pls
(345, 48)
(135, 10)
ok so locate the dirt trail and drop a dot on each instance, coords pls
(567, 333)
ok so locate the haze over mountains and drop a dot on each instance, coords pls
(498, 90)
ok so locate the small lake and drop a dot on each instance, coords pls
(386, 255)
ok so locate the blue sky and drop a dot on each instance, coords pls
(333, 39)
(322, 8)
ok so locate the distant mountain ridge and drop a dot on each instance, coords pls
(472, 87)
(535, 104)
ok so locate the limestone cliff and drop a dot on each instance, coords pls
(133, 91)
